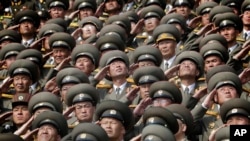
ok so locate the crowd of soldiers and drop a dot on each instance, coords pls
(123, 70)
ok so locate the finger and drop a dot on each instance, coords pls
(28, 135)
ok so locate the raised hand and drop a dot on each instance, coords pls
(102, 73)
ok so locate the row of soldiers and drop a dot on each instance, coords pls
(125, 70)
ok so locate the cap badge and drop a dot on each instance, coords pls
(20, 98)
(234, 110)
(83, 136)
(113, 112)
(160, 92)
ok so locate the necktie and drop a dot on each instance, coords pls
(246, 36)
(117, 90)
(26, 44)
(186, 91)
(166, 66)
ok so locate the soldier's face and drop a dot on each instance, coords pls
(212, 61)
(60, 53)
(230, 33)
(112, 5)
(183, 10)
(225, 93)
(47, 132)
(84, 111)
(88, 30)
(188, 70)
(205, 19)
(85, 12)
(146, 63)
(246, 18)
(27, 28)
(162, 102)
(238, 120)
(117, 68)
(64, 90)
(9, 61)
(20, 114)
(57, 12)
(167, 48)
(113, 128)
(144, 90)
(151, 23)
(22, 83)
(85, 64)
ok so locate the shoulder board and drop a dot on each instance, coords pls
(130, 48)
(245, 89)
(240, 39)
(201, 79)
(132, 106)
(130, 80)
(104, 86)
(212, 113)
(73, 24)
(2, 78)
(9, 17)
(42, 49)
(141, 37)
(49, 66)
(11, 86)
(10, 96)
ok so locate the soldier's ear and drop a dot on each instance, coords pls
(197, 72)
(184, 127)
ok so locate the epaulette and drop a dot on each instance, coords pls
(103, 85)
(129, 49)
(11, 85)
(73, 24)
(132, 106)
(141, 37)
(240, 39)
(48, 66)
(71, 126)
(10, 96)
(245, 89)
(130, 80)
(201, 79)
(43, 49)
(212, 113)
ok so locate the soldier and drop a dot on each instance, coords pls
(46, 31)
(234, 4)
(86, 58)
(223, 134)
(167, 37)
(157, 132)
(84, 98)
(86, 8)
(245, 34)
(44, 101)
(147, 56)
(8, 55)
(179, 22)
(203, 11)
(222, 87)
(230, 113)
(51, 125)
(230, 25)
(214, 54)
(152, 16)
(144, 77)
(184, 119)
(90, 26)
(20, 113)
(36, 57)
(190, 70)
(160, 116)
(57, 8)
(68, 77)
(117, 70)
(164, 93)
(24, 74)
(113, 7)
(88, 131)
(9, 36)
(28, 21)
(184, 7)
(115, 118)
